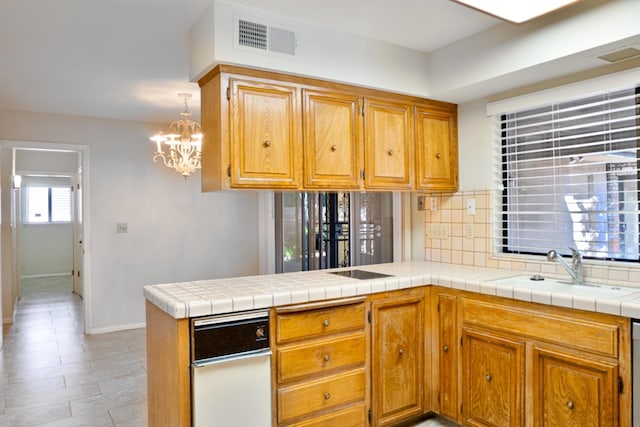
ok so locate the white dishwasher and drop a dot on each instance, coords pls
(231, 370)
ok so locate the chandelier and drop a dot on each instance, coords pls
(184, 143)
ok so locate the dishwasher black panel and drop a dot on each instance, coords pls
(224, 336)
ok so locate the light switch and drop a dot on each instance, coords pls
(471, 206)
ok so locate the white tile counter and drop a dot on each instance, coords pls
(217, 296)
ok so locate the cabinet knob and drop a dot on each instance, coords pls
(390, 152)
(267, 143)
(326, 357)
(327, 396)
(438, 155)
(570, 405)
(488, 377)
(260, 332)
(334, 147)
(445, 348)
(325, 323)
(401, 352)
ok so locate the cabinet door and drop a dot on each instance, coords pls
(332, 145)
(388, 141)
(436, 150)
(264, 136)
(573, 391)
(448, 356)
(397, 359)
(493, 379)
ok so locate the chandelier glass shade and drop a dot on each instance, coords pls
(180, 149)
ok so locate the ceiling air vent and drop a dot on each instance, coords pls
(620, 55)
(266, 38)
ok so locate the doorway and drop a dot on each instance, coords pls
(47, 226)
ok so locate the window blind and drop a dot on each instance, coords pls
(569, 177)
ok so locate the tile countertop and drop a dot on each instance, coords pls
(217, 296)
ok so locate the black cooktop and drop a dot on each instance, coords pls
(359, 274)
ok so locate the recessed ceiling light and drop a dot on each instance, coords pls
(514, 10)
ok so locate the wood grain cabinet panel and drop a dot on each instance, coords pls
(573, 391)
(448, 356)
(265, 146)
(493, 379)
(436, 150)
(321, 373)
(388, 145)
(304, 398)
(270, 130)
(332, 140)
(397, 358)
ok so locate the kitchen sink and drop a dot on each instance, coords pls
(546, 284)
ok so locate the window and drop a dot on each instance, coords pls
(569, 175)
(47, 204)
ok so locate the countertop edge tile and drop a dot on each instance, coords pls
(218, 296)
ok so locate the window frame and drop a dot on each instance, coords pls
(502, 238)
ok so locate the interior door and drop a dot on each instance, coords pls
(78, 234)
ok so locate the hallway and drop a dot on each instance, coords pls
(51, 374)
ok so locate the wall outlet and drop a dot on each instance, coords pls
(469, 231)
(438, 231)
(434, 203)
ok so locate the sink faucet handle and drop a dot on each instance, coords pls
(576, 256)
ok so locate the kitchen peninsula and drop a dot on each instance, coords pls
(424, 338)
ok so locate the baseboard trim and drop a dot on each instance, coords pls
(116, 328)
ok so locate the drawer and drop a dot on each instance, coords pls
(320, 356)
(323, 394)
(353, 416)
(319, 322)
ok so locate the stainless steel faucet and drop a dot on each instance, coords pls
(573, 269)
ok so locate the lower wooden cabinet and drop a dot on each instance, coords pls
(492, 379)
(398, 357)
(521, 363)
(321, 365)
(574, 391)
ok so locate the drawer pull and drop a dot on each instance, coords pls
(570, 405)
(327, 396)
(390, 152)
(325, 323)
(445, 348)
(267, 143)
(334, 147)
(438, 155)
(326, 358)
(488, 377)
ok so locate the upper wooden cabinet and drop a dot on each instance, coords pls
(268, 130)
(264, 139)
(332, 140)
(436, 150)
(388, 136)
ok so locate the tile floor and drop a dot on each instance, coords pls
(52, 375)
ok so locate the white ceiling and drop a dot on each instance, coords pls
(128, 59)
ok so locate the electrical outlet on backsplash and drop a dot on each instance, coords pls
(448, 239)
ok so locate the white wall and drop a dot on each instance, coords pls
(176, 233)
(320, 52)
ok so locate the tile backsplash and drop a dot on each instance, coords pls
(455, 234)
